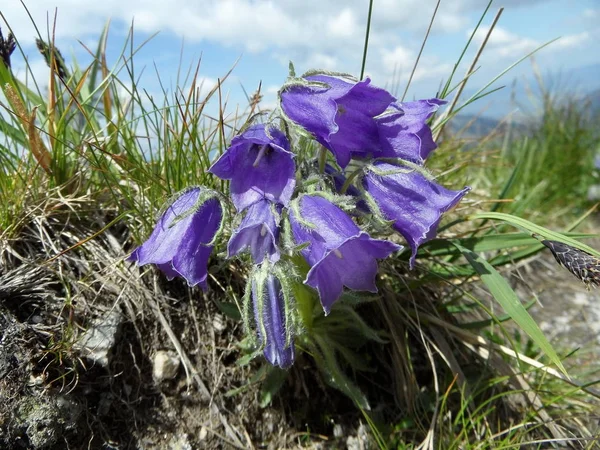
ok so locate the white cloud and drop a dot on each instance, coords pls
(398, 64)
(591, 14)
(398, 57)
(322, 60)
(343, 25)
(313, 33)
(503, 43)
(572, 40)
(38, 70)
(250, 24)
(204, 85)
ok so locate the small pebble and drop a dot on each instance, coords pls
(203, 433)
(166, 365)
(338, 431)
(219, 323)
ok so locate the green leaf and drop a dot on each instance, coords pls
(334, 375)
(497, 319)
(445, 247)
(511, 304)
(230, 309)
(305, 303)
(272, 384)
(536, 229)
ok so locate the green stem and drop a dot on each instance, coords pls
(364, 60)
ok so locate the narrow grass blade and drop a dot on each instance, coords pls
(535, 229)
(492, 242)
(511, 304)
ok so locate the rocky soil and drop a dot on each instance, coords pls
(115, 365)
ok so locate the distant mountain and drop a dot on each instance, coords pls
(522, 94)
(498, 111)
(582, 79)
(470, 126)
(594, 99)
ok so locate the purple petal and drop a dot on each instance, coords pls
(368, 99)
(332, 227)
(167, 269)
(405, 134)
(340, 117)
(312, 107)
(358, 134)
(353, 264)
(163, 243)
(258, 172)
(178, 246)
(413, 202)
(421, 110)
(339, 252)
(258, 232)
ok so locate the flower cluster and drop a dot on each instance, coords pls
(290, 207)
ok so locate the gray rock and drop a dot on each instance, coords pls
(179, 442)
(46, 419)
(338, 431)
(361, 441)
(97, 342)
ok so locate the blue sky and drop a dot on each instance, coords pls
(265, 35)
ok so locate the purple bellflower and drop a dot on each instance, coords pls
(271, 321)
(339, 112)
(404, 132)
(414, 203)
(260, 165)
(182, 240)
(258, 232)
(339, 252)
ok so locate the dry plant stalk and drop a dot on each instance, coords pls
(36, 145)
(463, 83)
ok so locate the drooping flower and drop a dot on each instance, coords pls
(339, 252)
(338, 111)
(271, 321)
(404, 132)
(258, 232)
(260, 166)
(182, 240)
(414, 203)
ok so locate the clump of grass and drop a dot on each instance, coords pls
(542, 166)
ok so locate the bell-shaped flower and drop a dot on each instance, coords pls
(404, 132)
(339, 252)
(260, 166)
(274, 333)
(182, 240)
(413, 202)
(338, 111)
(258, 232)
